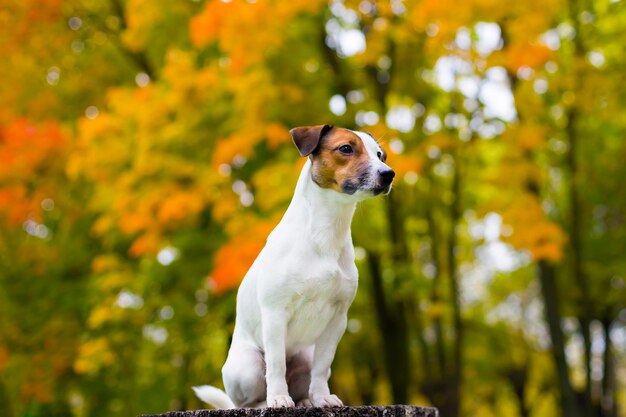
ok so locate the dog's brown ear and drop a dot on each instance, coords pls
(307, 138)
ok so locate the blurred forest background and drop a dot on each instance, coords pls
(145, 156)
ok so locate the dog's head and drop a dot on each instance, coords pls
(343, 160)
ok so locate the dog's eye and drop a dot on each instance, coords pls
(346, 149)
(379, 155)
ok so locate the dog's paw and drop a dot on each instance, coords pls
(326, 401)
(305, 403)
(278, 401)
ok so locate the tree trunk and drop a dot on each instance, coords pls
(436, 293)
(547, 277)
(456, 371)
(585, 315)
(5, 401)
(609, 384)
(518, 376)
(393, 329)
(569, 406)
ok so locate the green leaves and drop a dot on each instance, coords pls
(145, 157)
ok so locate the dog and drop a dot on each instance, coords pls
(292, 304)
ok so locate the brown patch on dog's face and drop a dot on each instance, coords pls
(340, 162)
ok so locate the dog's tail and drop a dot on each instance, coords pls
(214, 396)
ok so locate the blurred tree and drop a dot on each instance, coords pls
(145, 156)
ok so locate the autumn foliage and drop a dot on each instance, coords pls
(145, 157)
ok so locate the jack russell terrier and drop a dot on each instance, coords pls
(292, 304)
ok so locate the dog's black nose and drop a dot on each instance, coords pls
(386, 176)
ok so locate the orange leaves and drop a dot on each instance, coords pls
(521, 210)
(42, 10)
(232, 25)
(4, 357)
(133, 222)
(276, 135)
(233, 260)
(28, 153)
(532, 230)
(522, 54)
(404, 163)
(38, 384)
(207, 26)
(237, 144)
(449, 15)
(242, 142)
(15, 205)
(26, 147)
(154, 214)
(146, 244)
(246, 31)
(527, 137)
(179, 205)
(154, 176)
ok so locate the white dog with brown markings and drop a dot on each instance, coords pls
(292, 304)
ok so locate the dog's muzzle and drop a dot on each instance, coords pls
(386, 176)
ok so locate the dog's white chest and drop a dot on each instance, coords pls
(318, 300)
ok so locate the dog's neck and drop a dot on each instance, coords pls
(324, 215)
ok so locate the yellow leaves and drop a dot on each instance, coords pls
(525, 24)
(436, 310)
(140, 16)
(88, 160)
(114, 280)
(105, 262)
(93, 355)
(100, 315)
(447, 15)
(155, 175)
(225, 206)
(274, 185)
(186, 83)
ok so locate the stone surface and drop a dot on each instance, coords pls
(365, 411)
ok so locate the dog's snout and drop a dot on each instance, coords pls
(387, 175)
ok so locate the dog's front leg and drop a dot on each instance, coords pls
(274, 333)
(325, 347)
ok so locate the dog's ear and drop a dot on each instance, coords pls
(307, 138)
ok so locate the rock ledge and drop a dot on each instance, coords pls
(365, 411)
